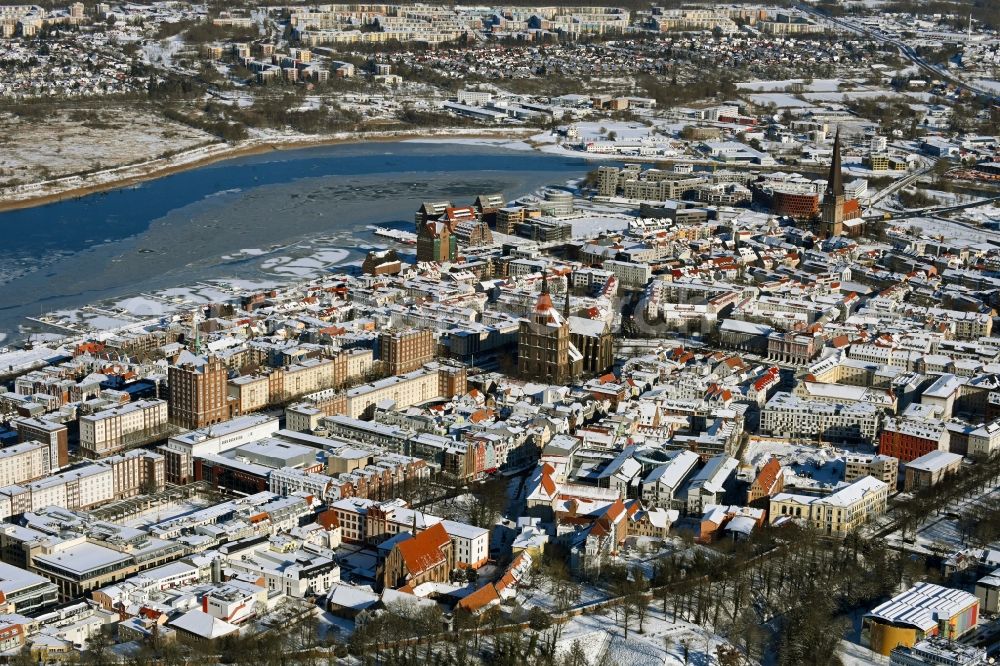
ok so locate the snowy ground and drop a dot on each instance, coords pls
(941, 534)
(663, 641)
(780, 100)
(987, 84)
(804, 466)
(67, 143)
(937, 226)
(456, 508)
(816, 85)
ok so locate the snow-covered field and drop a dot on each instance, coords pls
(815, 85)
(663, 642)
(780, 100)
(71, 141)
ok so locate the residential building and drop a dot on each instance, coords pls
(25, 462)
(53, 434)
(882, 467)
(984, 441)
(112, 430)
(198, 392)
(770, 480)
(713, 483)
(661, 487)
(907, 439)
(403, 351)
(789, 416)
(470, 544)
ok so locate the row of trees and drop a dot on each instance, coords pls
(980, 519)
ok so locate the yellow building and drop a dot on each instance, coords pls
(835, 514)
(922, 611)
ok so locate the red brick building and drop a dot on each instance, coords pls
(794, 205)
(770, 481)
(427, 557)
(198, 393)
(908, 440)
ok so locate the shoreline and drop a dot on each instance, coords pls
(120, 177)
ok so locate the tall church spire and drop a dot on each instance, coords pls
(835, 181)
(569, 281)
(545, 281)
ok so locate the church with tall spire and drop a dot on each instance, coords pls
(544, 349)
(832, 208)
(836, 208)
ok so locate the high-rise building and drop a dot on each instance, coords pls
(544, 349)
(403, 351)
(198, 393)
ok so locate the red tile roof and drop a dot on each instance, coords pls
(768, 475)
(424, 551)
(480, 600)
(548, 485)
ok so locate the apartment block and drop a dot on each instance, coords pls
(198, 393)
(907, 439)
(112, 430)
(882, 467)
(52, 434)
(406, 350)
(26, 462)
(789, 416)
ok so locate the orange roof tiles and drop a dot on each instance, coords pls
(424, 551)
(480, 599)
(548, 485)
(768, 475)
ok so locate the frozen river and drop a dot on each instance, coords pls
(193, 225)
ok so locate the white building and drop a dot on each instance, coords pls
(630, 274)
(111, 430)
(25, 462)
(179, 452)
(786, 415)
(835, 514)
(471, 544)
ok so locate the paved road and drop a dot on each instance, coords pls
(905, 49)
